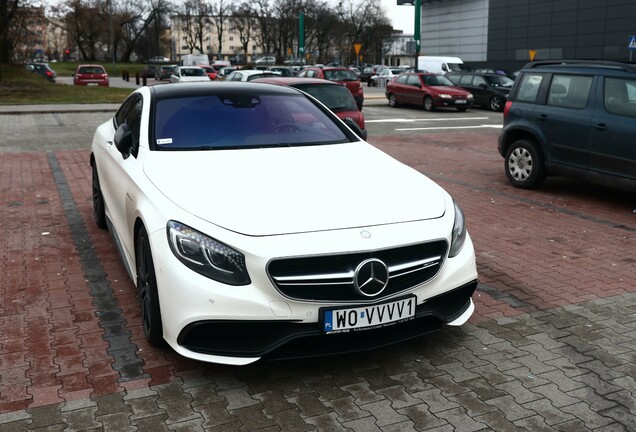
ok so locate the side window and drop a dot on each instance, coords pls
(529, 88)
(479, 81)
(620, 96)
(402, 79)
(120, 115)
(414, 80)
(466, 80)
(570, 91)
(133, 119)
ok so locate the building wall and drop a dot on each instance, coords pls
(570, 29)
(456, 28)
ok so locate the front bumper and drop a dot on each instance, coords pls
(452, 103)
(287, 339)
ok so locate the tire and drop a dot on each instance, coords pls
(428, 104)
(524, 165)
(496, 103)
(147, 286)
(99, 210)
(393, 101)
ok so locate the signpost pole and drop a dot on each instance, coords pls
(417, 31)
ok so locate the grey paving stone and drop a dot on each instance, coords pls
(252, 417)
(399, 397)
(156, 423)
(483, 389)
(497, 421)
(458, 372)
(421, 417)
(446, 384)
(472, 404)
(406, 426)
(384, 413)
(310, 405)
(13, 426)
(592, 380)
(194, 425)
(549, 412)
(273, 401)
(237, 398)
(347, 410)
(145, 407)
(510, 409)
(590, 397)
(203, 394)
(82, 419)
(179, 410)
(110, 404)
(326, 422)
(623, 418)
(362, 393)
(215, 414)
(78, 404)
(583, 412)
(329, 389)
(366, 424)
(624, 398)
(519, 392)
(564, 383)
(435, 401)
(534, 424)
(45, 416)
(116, 422)
(461, 420)
(290, 420)
(412, 382)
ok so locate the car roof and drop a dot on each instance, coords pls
(580, 65)
(212, 88)
(294, 81)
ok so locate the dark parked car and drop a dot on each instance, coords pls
(428, 90)
(164, 72)
(42, 69)
(148, 71)
(575, 118)
(490, 90)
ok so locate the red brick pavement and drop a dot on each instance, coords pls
(539, 249)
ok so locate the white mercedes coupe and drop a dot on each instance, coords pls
(256, 224)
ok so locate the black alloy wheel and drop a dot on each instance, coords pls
(496, 103)
(147, 286)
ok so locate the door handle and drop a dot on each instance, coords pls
(601, 127)
(542, 117)
(109, 142)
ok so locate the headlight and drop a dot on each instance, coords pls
(207, 256)
(445, 96)
(459, 232)
(470, 96)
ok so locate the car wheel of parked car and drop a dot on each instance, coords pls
(524, 165)
(393, 101)
(98, 201)
(147, 285)
(496, 104)
(428, 104)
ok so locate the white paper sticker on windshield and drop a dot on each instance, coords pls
(164, 141)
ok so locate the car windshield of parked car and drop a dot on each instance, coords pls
(437, 80)
(499, 81)
(341, 75)
(335, 97)
(239, 121)
(91, 70)
(192, 72)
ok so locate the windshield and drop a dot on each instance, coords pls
(341, 75)
(335, 97)
(499, 81)
(241, 121)
(456, 67)
(437, 80)
(193, 72)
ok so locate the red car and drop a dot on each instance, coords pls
(338, 74)
(89, 74)
(333, 95)
(429, 90)
(209, 71)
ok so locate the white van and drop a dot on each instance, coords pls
(440, 65)
(195, 60)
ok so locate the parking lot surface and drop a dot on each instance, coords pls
(551, 347)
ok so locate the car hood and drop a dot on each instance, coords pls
(451, 90)
(275, 191)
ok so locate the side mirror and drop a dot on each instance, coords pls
(354, 127)
(123, 140)
(482, 85)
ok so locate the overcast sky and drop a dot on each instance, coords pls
(402, 17)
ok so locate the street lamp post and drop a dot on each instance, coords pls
(417, 30)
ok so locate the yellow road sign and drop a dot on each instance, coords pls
(357, 46)
(532, 53)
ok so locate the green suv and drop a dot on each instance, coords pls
(571, 118)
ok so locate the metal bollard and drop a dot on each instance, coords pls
(123, 75)
(137, 78)
(144, 80)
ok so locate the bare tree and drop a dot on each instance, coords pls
(356, 16)
(243, 21)
(8, 9)
(220, 11)
(194, 19)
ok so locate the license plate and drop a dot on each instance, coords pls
(460, 101)
(368, 317)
